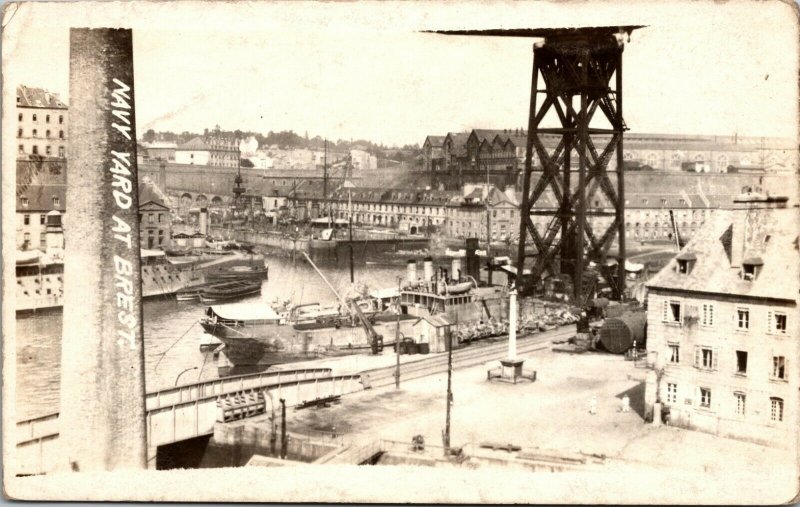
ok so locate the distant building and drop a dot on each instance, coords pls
(209, 151)
(41, 123)
(723, 321)
(160, 151)
(155, 220)
(478, 213)
(363, 160)
(459, 158)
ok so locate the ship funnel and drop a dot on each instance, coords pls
(411, 271)
(204, 221)
(455, 271)
(428, 268)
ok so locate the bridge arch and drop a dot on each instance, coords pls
(216, 200)
(201, 200)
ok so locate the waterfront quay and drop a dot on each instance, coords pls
(547, 418)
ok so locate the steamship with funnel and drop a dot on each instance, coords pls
(40, 274)
(257, 335)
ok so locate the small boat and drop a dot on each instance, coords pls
(190, 293)
(229, 290)
(459, 288)
(239, 273)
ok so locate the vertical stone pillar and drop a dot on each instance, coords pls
(102, 416)
(512, 324)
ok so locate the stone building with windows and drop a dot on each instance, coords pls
(458, 158)
(155, 219)
(723, 325)
(41, 123)
(41, 188)
(209, 151)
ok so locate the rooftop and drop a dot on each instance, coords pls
(38, 97)
(729, 239)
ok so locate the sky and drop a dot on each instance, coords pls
(364, 70)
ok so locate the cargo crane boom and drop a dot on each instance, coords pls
(375, 340)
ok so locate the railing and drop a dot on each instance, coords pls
(212, 388)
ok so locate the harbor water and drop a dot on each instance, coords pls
(171, 330)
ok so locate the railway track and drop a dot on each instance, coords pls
(463, 358)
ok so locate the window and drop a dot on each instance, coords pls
(740, 403)
(61, 134)
(19, 132)
(19, 116)
(21, 149)
(705, 358)
(741, 362)
(26, 219)
(776, 323)
(47, 133)
(722, 164)
(743, 318)
(61, 151)
(160, 215)
(25, 202)
(42, 219)
(48, 150)
(34, 117)
(776, 409)
(47, 119)
(672, 312)
(43, 242)
(748, 272)
(35, 149)
(56, 201)
(705, 397)
(674, 353)
(27, 238)
(779, 367)
(150, 218)
(60, 118)
(708, 315)
(35, 132)
(672, 393)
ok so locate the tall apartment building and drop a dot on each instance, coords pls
(723, 321)
(41, 123)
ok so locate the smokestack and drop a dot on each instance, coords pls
(102, 418)
(428, 269)
(162, 177)
(473, 262)
(455, 271)
(204, 221)
(411, 271)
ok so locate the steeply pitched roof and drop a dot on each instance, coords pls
(38, 97)
(40, 198)
(768, 234)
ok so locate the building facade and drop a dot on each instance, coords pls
(41, 123)
(723, 324)
(458, 158)
(210, 151)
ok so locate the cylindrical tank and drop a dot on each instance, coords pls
(455, 271)
(618, 333)
(427, 267)
(411, 271)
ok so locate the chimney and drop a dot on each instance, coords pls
(744, 206)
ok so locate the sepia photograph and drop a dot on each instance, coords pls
(395, 252)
